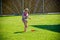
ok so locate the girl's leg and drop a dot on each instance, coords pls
(25, 26)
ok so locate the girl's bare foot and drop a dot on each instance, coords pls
(24, 31)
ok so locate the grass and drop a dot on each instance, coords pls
(47, 27)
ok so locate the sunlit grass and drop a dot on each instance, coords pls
(11, 28)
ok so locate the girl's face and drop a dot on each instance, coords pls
(26, 10)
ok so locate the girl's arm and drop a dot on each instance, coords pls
(29, 17)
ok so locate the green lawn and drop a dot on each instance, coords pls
(46, 28)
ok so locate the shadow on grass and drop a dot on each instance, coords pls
(18, 32)
(54, 28)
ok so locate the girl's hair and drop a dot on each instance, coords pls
(26, 9)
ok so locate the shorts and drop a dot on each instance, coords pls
(24, 20)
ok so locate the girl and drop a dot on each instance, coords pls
(24, 18)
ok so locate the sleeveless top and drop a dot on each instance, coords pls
(24, 15)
